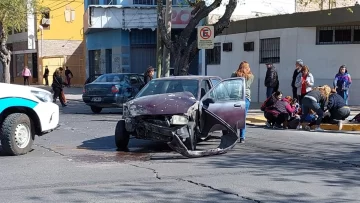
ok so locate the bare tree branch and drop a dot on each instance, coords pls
(224, 21)
(162, 28)
(194, 21)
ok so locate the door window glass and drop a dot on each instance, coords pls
(134, 80)
(228, 90)
(205, 87)
(214, 81)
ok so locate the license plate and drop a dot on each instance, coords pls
(96, 99)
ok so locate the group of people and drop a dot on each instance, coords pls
(26, 74)
(309, 106)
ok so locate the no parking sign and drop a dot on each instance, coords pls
(205, 37)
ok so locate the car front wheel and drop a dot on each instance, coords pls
(96, 109)
(17, 135)
(122, 137)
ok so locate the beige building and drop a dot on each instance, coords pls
(324, 5)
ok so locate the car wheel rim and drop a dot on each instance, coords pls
(22, 135)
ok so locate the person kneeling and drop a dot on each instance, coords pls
(337, 111)
(285, 110)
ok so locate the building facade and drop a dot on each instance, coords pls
(53, 38)
(324, 42)
(121, 35)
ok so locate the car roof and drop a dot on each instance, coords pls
(187, 77)
(120, 74)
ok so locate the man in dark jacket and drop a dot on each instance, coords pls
(337, 111)
(271, 80)
(298, 65)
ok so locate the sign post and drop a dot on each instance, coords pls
(205, 37)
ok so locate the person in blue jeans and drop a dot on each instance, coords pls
(245, 72)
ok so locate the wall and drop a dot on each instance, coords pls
(59, 28)
(296, 43)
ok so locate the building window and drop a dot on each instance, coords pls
(93, 2)
(110, 2)
(270, 50)
(213, 56)
(338, 35)
(144, 2)
(20, 63)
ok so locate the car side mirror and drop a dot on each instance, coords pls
(208, 101)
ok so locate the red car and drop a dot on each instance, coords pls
(183, 110)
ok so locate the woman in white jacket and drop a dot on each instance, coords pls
(304, 82)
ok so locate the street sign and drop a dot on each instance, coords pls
(205, 37)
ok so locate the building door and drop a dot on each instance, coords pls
(142, 57)
(108, 63)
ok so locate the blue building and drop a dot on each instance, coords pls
(120, 35)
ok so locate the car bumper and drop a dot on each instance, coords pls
(106, 101)
(48, 114)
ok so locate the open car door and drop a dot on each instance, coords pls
(222, 108)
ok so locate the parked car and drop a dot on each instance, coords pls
(182, 110)
(91, 78)
(25, 112)
(111, 90)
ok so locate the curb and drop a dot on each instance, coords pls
(260, 120)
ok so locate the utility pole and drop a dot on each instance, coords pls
(159, 46)
(166, 56)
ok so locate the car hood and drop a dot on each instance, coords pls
(162, 104)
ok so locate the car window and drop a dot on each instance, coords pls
(110, 78)
(141, 77)
(228, 90)
(134, 80)
(205, 87)
(214, 81)
(170, 86)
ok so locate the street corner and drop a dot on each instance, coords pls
(257, 120)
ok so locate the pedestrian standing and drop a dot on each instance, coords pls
(149, 74)
(298, 65)
(304, 82)
(46, 75)
(245, 72)
(26, 73)
(68, 75)
(271, 80)
(57, 86)
(342, 83)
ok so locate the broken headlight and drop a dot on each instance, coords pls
(179, 120)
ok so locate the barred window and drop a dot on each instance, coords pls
(338, 35)
(213, 56)
(270, 50)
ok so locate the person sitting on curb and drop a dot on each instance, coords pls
(286, 108)
(337, 111)
(268, 106)
(315, 100)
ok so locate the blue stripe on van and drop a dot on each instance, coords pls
(16, 101)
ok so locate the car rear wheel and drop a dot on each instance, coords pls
(122, 137)
(17, 134)
(96, 109)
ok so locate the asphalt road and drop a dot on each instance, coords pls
(79, 163)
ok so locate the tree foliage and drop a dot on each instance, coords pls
(13, 16)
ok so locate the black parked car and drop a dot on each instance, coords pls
(112, 90)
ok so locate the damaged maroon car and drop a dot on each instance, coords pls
(184, 110)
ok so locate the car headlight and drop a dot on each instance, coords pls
(42, 96)
(179, 120)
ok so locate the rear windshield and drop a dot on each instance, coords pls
(170, 86)
(110, 78)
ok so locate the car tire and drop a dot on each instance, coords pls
(96, 109)
(122, 137)
(17, 134)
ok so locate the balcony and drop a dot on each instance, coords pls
(130, 17)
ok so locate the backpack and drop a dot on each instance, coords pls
(356, 118)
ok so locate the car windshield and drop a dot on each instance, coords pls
(170, 86)
(110, 78)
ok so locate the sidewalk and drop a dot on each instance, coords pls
(72, 93)
(256, 117)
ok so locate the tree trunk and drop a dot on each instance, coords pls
(159, 48)
(5, 56)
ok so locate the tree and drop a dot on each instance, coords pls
(13, 16)
(182, 49)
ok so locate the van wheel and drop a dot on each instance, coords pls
(17, 134)
(122, 137)
(96, 109)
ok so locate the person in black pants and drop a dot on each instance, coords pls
(57, 86)
(271, 80)
(46, 75)
(298, 65)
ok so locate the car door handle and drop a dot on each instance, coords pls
(237, 105)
